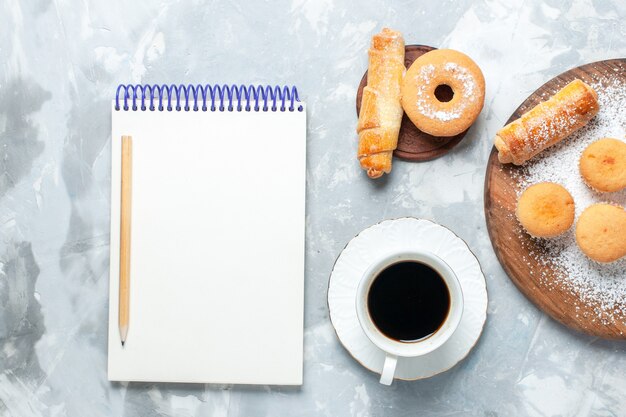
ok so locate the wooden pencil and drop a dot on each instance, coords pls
(125, 222)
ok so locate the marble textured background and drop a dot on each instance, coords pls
(60, 61)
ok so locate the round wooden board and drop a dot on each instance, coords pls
(513, 247)
(413, 144)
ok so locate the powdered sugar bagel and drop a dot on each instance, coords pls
(428, 85)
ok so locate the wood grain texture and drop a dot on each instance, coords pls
(513, 247)
(125, 224)
(413, 144)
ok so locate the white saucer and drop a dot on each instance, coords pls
(395, 236)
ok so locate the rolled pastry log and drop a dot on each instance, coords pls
(381, 111)
(547, 123)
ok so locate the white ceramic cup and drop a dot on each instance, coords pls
(394, 348)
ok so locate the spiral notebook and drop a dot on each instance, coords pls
(217, 234)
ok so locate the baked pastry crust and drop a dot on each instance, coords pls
(438, 68)
(545, 210)
(547, 123)
(601, 232)
(381, 112)
(603, 165)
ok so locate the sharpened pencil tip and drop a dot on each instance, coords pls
(122, 344)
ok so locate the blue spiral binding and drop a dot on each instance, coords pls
(206, 97)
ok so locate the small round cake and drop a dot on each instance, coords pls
(601, 232)
(603, 165)
(545, 210)
(443, 92)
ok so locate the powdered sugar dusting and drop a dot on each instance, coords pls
(425, 89)
(560, 122)
(463, 75)
(603, 286)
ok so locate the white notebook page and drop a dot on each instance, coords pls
(217, 247)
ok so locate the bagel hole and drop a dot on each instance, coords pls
(444, 93)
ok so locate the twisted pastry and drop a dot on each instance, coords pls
(547, 123)
(381, 111)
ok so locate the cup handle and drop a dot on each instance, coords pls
(389, 369)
